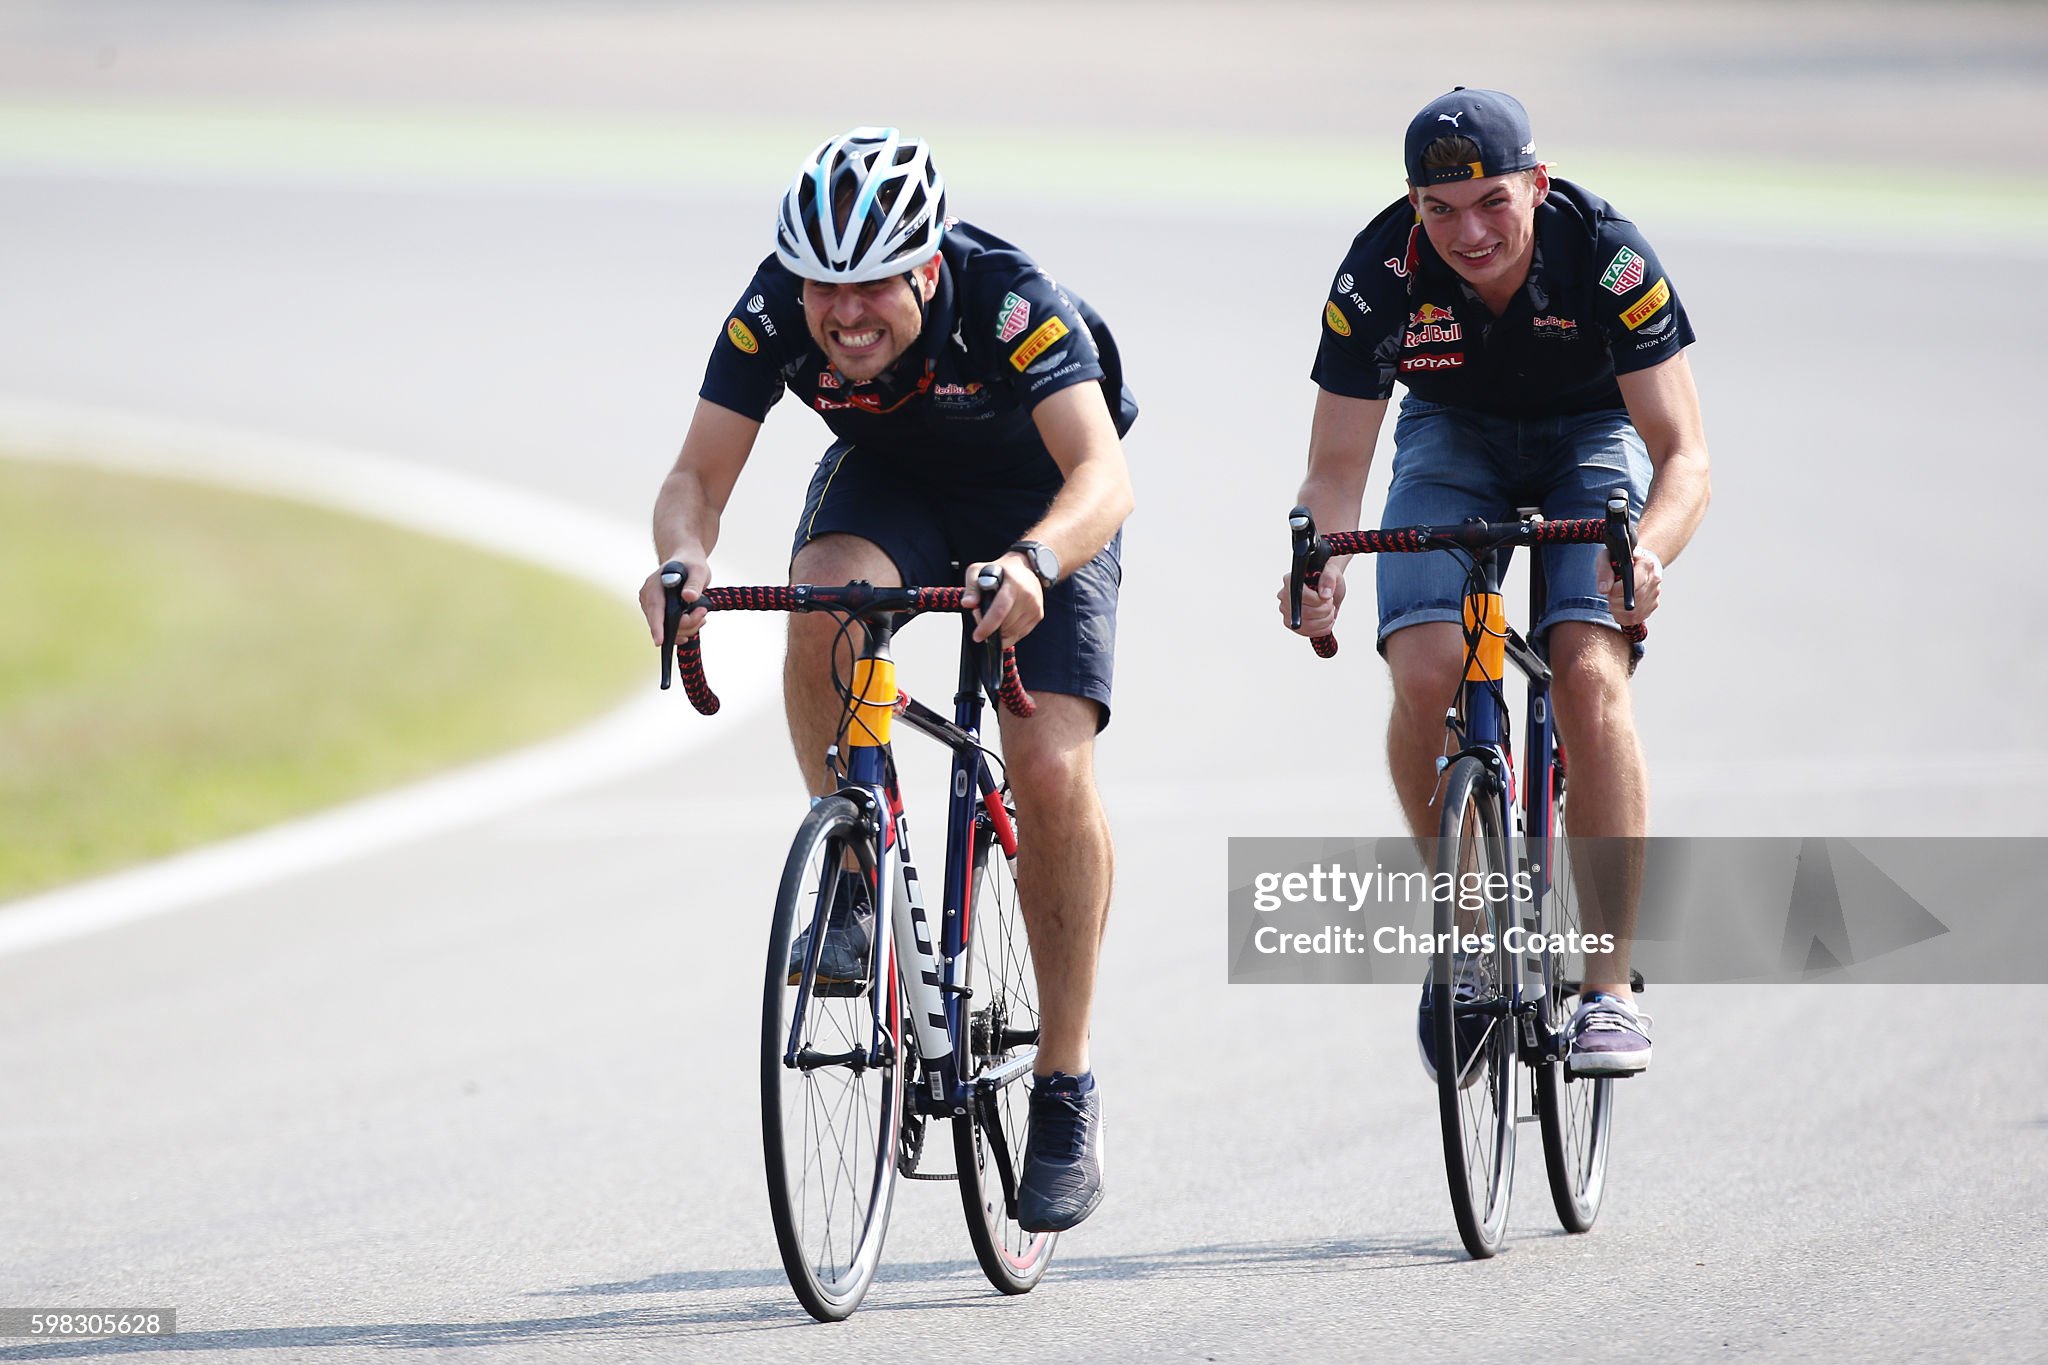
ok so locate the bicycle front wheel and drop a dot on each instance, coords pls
(1473, 978)
(1002, 1040)
(1576, 1112)
(829, 1109)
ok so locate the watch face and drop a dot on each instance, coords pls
(1043, 562)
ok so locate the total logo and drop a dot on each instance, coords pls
(1433, 362)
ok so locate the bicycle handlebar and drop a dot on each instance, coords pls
(1312, 552)
(856, 600)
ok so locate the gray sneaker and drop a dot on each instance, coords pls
(843, 966)
(1609, 1037)
(1062, 1179)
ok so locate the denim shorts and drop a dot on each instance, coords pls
(1452, 463)
(927, 528)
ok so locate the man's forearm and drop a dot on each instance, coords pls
(1087, 512)
(686, 521)
(1679, 494)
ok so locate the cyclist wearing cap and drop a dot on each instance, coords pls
(978, 408)
(1543, 350)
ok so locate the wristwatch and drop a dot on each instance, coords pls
(1042, 560)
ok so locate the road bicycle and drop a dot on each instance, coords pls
(945, 1025)
(1499, 866)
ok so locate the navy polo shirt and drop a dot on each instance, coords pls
(1596, 304)
(1000, 337)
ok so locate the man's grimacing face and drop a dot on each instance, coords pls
(1485, 229)
(863, 329)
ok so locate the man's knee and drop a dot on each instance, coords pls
(841, 558)
(1589, 679)
(1050, 758)
(1426, 661)
(834, 559)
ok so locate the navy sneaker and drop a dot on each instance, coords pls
(1472, 1028)
(1608, 1037)
(1062, 1180)
(843, 967)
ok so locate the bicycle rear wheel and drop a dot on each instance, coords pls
(829, 1119)
(1002, 1039)
(1475, 1034)
(1576, 1112)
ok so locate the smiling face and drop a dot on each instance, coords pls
(1485, 229)
(863, 329)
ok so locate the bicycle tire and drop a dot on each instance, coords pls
(1476, 1091)
(1002, 1029)
(1576, 1113)
(829, 1133)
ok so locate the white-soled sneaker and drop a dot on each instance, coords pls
(1609, 1037)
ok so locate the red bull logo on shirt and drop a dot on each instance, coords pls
(1432, 326)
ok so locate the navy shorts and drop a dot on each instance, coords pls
(1453, 463)
(927, 528)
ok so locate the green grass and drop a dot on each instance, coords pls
(179, 664)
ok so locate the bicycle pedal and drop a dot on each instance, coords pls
(929, 1175)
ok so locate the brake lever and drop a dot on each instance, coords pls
(1621, 546)
(673, 576)
(1311, 553)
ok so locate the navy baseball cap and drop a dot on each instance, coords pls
(1497, 122)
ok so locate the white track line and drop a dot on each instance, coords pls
(651, 729)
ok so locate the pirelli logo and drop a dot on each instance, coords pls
(1037, 343)
(1645, 308)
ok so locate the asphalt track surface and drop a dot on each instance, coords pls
(491, 1094)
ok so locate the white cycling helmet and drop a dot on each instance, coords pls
(866, 205)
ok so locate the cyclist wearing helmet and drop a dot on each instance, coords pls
(978, 408)
(1543, 348)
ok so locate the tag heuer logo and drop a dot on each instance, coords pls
(1013, 318)
(1623, 273)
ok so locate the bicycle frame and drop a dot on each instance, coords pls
(936, 1003)
(1528, 826)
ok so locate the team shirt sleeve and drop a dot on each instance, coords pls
(1040, 342)
(1639, 311)
(746, 372)
(1361, 322)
